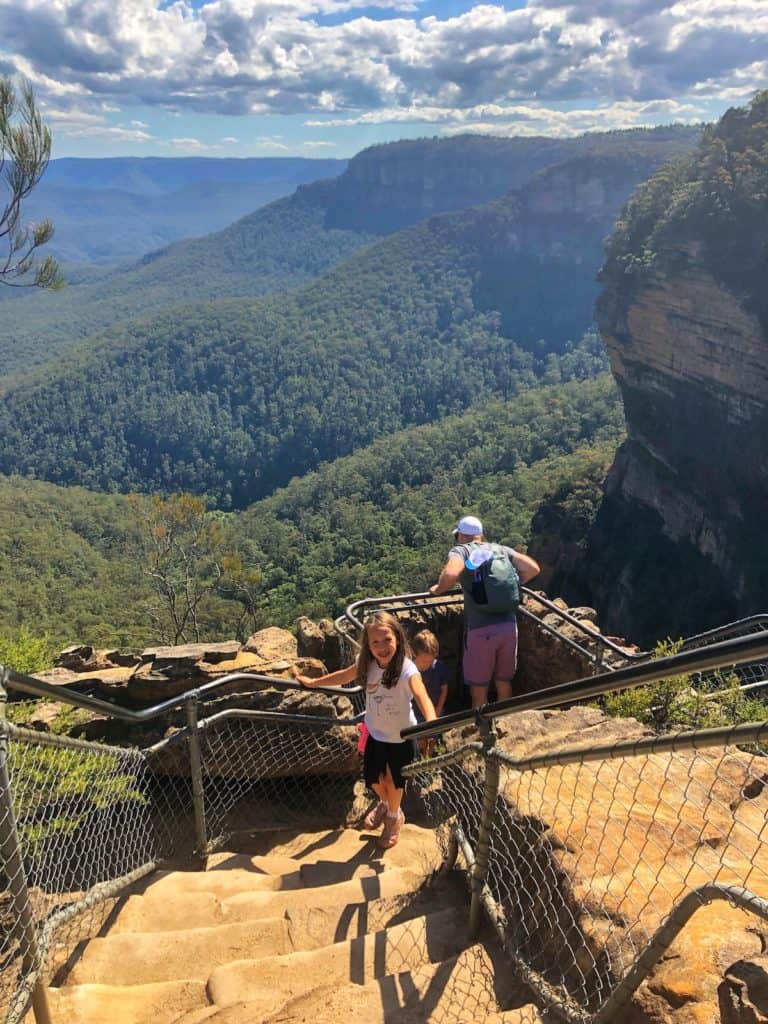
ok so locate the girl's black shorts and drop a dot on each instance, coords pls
(379, 754)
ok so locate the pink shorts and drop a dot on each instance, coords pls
(490, 652)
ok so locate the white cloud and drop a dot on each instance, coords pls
(187, 144)
(229, 139)
(527, 119)
(280, 56)
(271, 142)
(319, 145)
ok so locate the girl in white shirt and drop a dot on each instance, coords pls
(391, 682)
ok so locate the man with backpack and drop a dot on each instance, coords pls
(490, 576)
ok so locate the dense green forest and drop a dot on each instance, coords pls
(711, 205)
(294, 239)
(277, 247)
(234, 398)
(380, 521)
(376, 521)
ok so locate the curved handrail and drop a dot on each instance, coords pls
(37, 688)
(404, 602)
(724, 654)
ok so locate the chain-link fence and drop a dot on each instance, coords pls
(597, 857)
(81, 822)
(586, 860)
(78, 823)
(273, 772)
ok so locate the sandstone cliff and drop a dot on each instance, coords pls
(679, 543)
(387, 187)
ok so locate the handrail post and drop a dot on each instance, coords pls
(12, 863)
(483, 851)
(196, 771)
(599, 656)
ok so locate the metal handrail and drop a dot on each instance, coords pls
(37, 688)
(723, 631)
(355, 612)
(724, 654)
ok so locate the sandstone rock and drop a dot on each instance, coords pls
(146, 685)
(312, 667)
(310, 638)
(84, 658)
(584, 614)
(601, 852)
(191, 653)
(103, 683)
(74, 656)
(58, 676)
(713, 971)
(43, 716)
(321, 640)
(690, 483)
(243, 661)
(744, 992)
(272, 644)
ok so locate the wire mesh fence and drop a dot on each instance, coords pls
(592, 852)
(80, 817)
(264, 774)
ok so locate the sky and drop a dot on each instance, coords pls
(330, 77)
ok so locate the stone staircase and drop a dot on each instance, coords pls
(326, 928)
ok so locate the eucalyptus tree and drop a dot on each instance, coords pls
(25, 149)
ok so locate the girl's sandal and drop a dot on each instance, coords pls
(375, 817)
(391, 832)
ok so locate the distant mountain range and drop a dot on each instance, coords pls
(117, 209)
(288, 242)
(233, 398)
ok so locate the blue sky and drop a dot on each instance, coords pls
(327, 78)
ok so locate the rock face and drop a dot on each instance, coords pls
(684, 315)
(388, 187)
(684, 500)
(605, 850)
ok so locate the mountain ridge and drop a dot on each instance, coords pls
(321, 223)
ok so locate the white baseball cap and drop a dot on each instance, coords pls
(470, 525)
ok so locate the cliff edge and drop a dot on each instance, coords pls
(679, 544)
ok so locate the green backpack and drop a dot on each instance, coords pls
(495, 583)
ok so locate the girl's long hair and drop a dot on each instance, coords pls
(395, 667)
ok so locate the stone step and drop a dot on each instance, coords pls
(271, 981)
(344, 845)
(228, 883)
(158, 1003)
(167, 910)
(136, 958)
(458, 990)
(236, 943)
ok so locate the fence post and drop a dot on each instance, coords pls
(196, 769)
(597, 668)
(483, 851)
(12, 864)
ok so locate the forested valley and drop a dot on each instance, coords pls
(334, 429)
(376, 521)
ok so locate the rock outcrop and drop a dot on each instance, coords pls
(387, 187)
(160, 673)
(679, 544)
